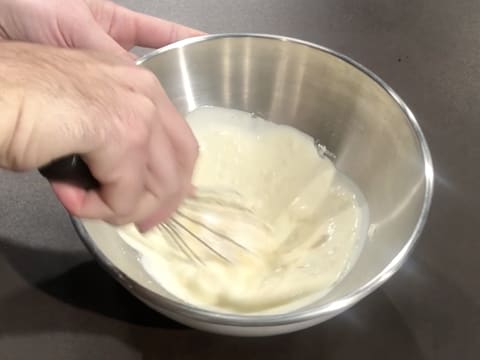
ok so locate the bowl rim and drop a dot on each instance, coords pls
(300, 315)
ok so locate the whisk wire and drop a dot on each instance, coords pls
(198, 238)
(213, 231)
(210, 197)
(170, 230)
(219, 215)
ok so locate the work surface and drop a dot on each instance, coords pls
(56, 303)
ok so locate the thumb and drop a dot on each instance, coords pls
(95, 38)
(81, 203)
(70, 196)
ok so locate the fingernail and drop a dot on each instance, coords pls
(133, 56)
(142, 229)
(192, 189)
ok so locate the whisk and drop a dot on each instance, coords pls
(212, 221)
(215, 221)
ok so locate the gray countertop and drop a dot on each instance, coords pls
(56, 303)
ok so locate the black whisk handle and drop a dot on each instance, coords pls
(71, 170)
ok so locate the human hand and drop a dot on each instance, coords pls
(88, 24)
(57, 102)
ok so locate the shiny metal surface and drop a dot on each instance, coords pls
(375, 137)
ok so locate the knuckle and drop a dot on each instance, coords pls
(148, 110)
(193, 149)
(135, 110)
(123, 205)
(138, 135)
(173, 188)
(190, 153)
(118, 221)
(162, 191)
(149, 80)
(170, 186)
(124, 210)
(176, 187)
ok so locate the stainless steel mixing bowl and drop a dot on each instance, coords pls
(375, 137)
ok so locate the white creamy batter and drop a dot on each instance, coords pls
(318, 220)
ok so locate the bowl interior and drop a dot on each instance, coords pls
(375, 138)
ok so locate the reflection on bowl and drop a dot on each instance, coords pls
(375, 137)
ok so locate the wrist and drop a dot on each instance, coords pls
(3, 31)
(4, 14)
(10, 108)
(11, 105)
